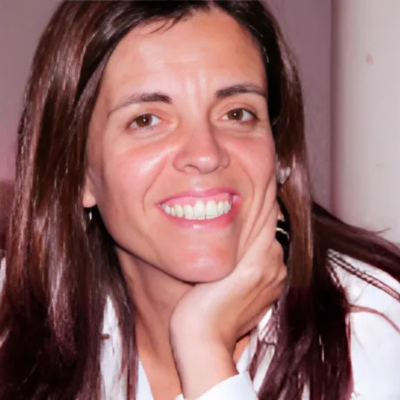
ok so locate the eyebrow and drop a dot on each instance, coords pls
(137, 98)
(158, 97)
(240, 89)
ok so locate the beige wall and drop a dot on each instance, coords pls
(366, 157)
(305, 22)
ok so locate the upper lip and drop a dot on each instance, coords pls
(200, 193)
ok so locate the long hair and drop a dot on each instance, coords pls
(60, 269)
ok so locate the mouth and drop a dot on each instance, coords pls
(200, 205)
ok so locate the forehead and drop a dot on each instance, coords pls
(208, 46)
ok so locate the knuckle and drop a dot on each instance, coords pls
(277, 249)
(282, 274)
(253, 276)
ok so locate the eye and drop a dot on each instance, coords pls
(145, 121)
(239, 114)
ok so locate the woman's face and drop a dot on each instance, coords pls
(181, 156)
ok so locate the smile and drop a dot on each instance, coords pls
(200, 210)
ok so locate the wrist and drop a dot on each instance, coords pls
(202, 365)
(188, 329)
(186, 337)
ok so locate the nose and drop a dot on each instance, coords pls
(201, 152)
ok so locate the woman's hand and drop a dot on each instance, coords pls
(210, 319)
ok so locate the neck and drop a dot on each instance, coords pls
(155, 295)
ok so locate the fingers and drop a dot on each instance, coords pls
(264, 286)
(264, 230)
(262, 269)
(264, 212)
(258, 249)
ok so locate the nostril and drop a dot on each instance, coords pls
(202, 158)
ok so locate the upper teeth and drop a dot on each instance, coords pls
(200, 210)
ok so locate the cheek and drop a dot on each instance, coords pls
(125, 180)
(128, 175)
(257, 158)
(261, 165)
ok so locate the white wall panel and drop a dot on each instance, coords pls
(366, 118)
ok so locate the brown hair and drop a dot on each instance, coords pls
(6, 189)
(60, 271)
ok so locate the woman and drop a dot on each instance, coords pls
(141, 259)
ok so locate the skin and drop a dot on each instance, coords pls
(204, 285)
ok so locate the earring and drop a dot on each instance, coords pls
(283, 231)
(283, 174)
(88, 219)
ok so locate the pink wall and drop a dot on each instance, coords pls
(21, 23)
(307, 24)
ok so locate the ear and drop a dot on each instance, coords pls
(88, 197)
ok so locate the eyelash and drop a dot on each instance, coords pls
(141, 116)
(252, 114)
(253, 118)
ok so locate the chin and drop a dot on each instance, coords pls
(203, 269)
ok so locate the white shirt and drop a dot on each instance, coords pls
(374, 347)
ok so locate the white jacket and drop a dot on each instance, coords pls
(375, 348)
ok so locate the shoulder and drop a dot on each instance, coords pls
(367, 286)
(111, 365)
(374, 329)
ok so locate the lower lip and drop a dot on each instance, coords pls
(219, 222)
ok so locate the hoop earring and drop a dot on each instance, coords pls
(88, 219)
(283, 231)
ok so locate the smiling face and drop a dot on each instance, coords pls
(181, 160)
